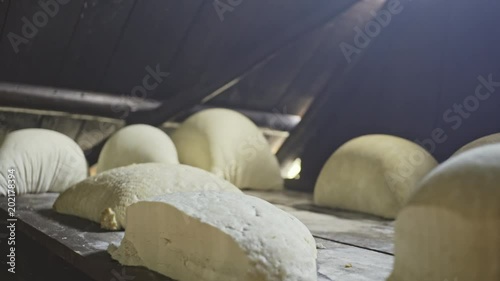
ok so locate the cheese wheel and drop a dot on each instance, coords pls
(229, 145)
(41, 160)
(103, 198)
(450, 228)
(490, 139)
(137, 144)
(373, 174)
(217, 236)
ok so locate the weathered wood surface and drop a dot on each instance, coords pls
(298, 72)
(4, 6)
(62, 124)
(87, 131)
(11, 121)
(83, 244)
(340, 226)
(93, 43)
(80, 242)
(338, 262)
(37, 54)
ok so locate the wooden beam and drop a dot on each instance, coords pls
(4, 10)
(93, 42)
(193, 77)
(42, 39)
(81, 102)
(358, 15)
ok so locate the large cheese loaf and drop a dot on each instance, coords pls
(229, 145)
(490, 139)
(41, 161)
(217, 236)
(450, 229)
(137, 144)
(103, 198)
(372, 174)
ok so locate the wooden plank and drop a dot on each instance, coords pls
(476, 57)
(151, 38)
(297, 73)
(337, 262)
(263, 87)
(80, 242)
(94, 40)
(319, 85)
(11, 121)
(226, 54)
(83, 244)
(412, 79)
(76, 102)
(66, 125)
(94, 132)
(13, 40)
(4, 10)
(346, 227)
(37, 60)
(392, 90)
(328, 61)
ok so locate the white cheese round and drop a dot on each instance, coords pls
(103, 198)
(217, 236)
(490, 139)
(372, 174)
(42, 161)
(137, 144)
(450, 228)
(229, 145)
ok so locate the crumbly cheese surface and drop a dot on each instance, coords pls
(217, 236)
(103, 198)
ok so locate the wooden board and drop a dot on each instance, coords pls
(11, 121)
(78, 241)
(393, 98)
(338, 262)
(152, 37)
(93, 132)
(83, 244)
(66, 125)
(95, 38)
(38, 60)
(231, 54)
(4, 7)
(337, 225)
(299, 71)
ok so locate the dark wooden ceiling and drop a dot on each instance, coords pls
(106, 46)
(274, 56)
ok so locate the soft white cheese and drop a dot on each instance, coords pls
(217, 236)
